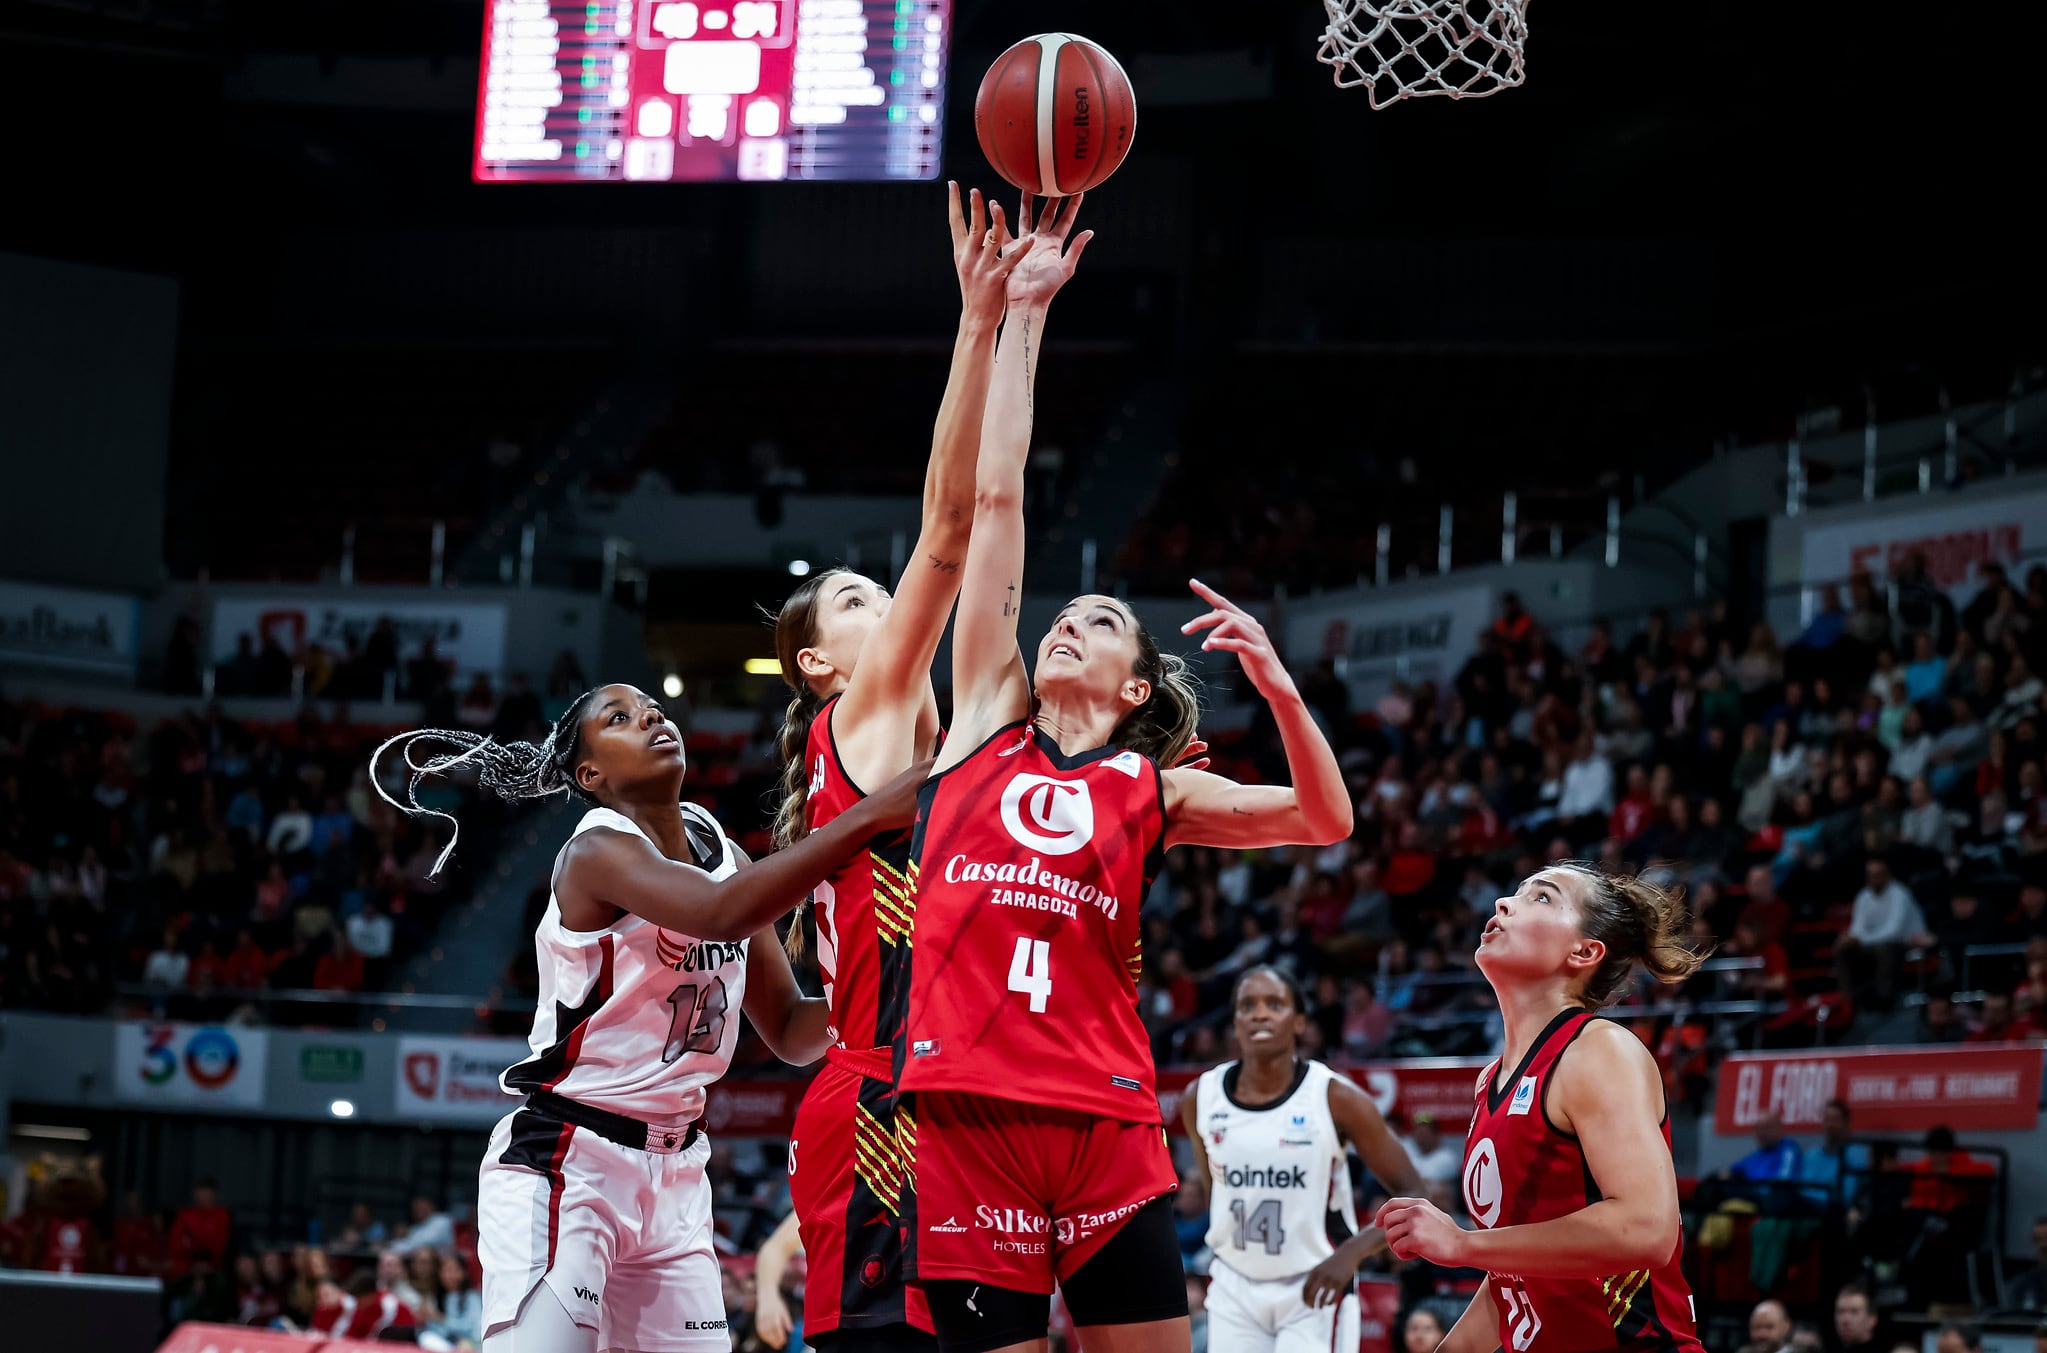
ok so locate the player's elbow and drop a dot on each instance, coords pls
(1332, 824)
(1000, 499)
(1647, 1241)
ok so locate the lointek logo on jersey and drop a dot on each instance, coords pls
(1055, 816)
(1482, 1193)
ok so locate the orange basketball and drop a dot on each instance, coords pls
(1055, 114)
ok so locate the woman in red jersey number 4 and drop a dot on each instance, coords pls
(1567, 1165)
(859, 661)
(1039, 1155)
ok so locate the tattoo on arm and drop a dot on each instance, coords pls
(944, 565)
(1241, 812)
(1030, 371)
(1009, 602)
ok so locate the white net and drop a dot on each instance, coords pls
(1407, 49)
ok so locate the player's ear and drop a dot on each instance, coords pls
(813, 664)
(1587, 954)
(588, 778)
(1137, 690)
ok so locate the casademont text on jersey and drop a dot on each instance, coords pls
(960, 869)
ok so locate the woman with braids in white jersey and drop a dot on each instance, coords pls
(593, 1215)
(1269, 1133)
(1039, 1156)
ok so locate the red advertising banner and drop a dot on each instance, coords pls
(1443, 1086)
(1378, 1313)
(753, 1108)
(193, 1337)
(1440, 1085)
(1986, 1088)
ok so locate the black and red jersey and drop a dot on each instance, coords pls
(1030, 868)
(1519, 1170)
(862, 909)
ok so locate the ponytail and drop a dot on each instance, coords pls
(1638, 922)
(510, 770)
(796, 630)
(1162, 727)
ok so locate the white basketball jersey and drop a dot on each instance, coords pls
(632, 1018)
(1275, 1174)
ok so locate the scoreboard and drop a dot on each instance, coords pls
(692, 90)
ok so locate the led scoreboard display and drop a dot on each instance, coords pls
(694, 90)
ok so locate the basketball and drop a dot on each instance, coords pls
(1055, 114)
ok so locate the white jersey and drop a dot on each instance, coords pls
(1276, 1173)
(631, 1018)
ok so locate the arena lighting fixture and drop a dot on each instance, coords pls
(671, 685)
(799, 568)
(51, 1132)
(764, 667)
(342, 1108)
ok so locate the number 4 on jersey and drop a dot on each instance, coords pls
(1030, 971)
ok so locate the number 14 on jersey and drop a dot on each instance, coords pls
(1030, 971)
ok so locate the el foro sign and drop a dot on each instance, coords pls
(1988, 1087)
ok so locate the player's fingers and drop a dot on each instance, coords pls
(1023, 214)
(1213, 597)
(953, 216)
(1230, 645)
(1070, 209)
(998, 224)
(1204, 621)
(1078, 247)
(976, 217)
(1200, 764)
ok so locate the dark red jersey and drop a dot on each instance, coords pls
(1030, 868)
(1519, 1170)
(863, 911)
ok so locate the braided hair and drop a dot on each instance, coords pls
(510, 770)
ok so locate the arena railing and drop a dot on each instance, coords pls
(306, 1005)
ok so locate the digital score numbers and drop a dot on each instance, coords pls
(694, 90)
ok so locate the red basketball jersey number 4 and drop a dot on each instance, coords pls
(1030, 971)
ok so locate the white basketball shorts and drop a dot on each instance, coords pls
(1249, 1316)
(621, 1236)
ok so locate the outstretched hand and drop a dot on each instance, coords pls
(1236, 631)
(980, 236)
(1038, 276)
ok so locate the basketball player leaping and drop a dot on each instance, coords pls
(593, 1214)
(1039, 1156)
(1567, 1166)
(1269, 1133)
(859, 661)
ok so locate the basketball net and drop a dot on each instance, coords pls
(1409, 49)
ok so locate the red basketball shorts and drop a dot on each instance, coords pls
(1020, 1195)
(847, 1179)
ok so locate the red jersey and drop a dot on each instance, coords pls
(1030, 868)
(863, 911)
(1518, 1170)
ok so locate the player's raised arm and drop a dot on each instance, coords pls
(990, 685)
(877, 715)
(1205, 809)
